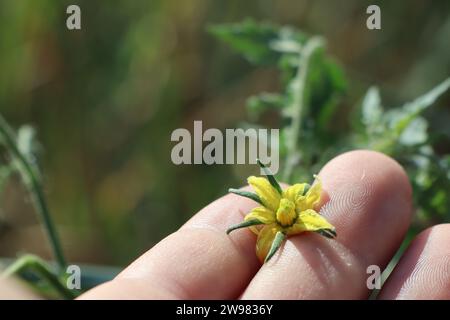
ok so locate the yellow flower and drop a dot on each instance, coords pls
(282, 213)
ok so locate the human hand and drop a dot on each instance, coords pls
(367, 197)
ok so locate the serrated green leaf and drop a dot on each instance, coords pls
(285, 45)
(325, 85)
(250, 39)
(429, 98)
(399, 119)
(289, 40)
(396, 122)
(256, 105)
(260, 43)
(372, 111)
(415, 133)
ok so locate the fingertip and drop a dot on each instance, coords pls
(424, 269)
(369, 194)
(368, 200)
(349, 163)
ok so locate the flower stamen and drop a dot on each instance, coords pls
(282, 213)
(286, 214)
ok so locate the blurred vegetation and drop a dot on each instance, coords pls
(104, 101)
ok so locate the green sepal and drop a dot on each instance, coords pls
(270, 177)
(306, 189)
(244, 224)
(246, 194)
(276, 244)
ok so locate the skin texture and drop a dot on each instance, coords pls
(424, 270)
(365, 190)
(367, 197)
(12, 289)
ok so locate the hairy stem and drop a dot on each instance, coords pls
(31, 179)
(34, 264)
(298, 102)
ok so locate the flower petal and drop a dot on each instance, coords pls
(313, 194)
(265, 238)
(255, 229)
(268, 195)
(293, 191)
(310, 220)
(262, 214)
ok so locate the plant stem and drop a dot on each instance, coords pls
(40, 267)
(32, 182)
(297, 104)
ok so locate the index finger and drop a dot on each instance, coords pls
(370, 207)
(199, 261)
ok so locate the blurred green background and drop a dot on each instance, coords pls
(105, 99)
